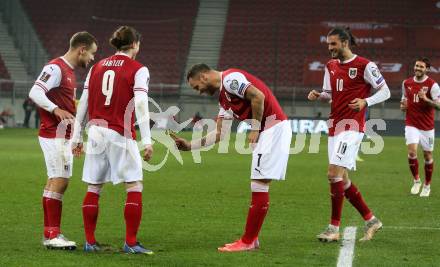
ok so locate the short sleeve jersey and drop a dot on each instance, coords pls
(232, 99)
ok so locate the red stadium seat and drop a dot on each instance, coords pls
(166, 28)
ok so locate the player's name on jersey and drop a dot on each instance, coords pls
(113, 63)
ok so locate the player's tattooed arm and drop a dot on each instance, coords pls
(256, 97)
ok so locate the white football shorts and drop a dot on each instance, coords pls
(271, 154)
(416, 136)
(111, 157)
(58, 157)
(343, 148)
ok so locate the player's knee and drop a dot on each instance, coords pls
(427, 155)
(134, 187)
(257, 186)
(333, 180)
(58, 185)
(333, 176)
(412, 154)
(331, 173)
(95, 188)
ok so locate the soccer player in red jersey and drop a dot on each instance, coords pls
(54, 93)
(348, 80)
(245, 97)
(420, 98)
(115, 88)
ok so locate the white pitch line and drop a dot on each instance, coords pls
(412, 228)
(346, 253)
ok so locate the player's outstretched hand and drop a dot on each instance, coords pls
(77, 149)
(404, 105)
(63, 115)
(357, 104)
(148, 152)
(182, 144)
(313, 95)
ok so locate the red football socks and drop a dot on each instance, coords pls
(133, 215)
(46, 219)
(355, 198)
(414, 167)
(257, 213)
(337, 198)
(429, 168)
(90, 211)
(54, 208)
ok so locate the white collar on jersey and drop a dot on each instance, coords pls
(121, 54)
(423, 80)
(67, 62)
(348, 60)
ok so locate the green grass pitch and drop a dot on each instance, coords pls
(191, 209)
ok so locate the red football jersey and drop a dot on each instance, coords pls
(346, 81)
(111, 84)
(62, 95)
(419, 114)
(231, 97)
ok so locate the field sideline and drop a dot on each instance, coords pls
(191, 209)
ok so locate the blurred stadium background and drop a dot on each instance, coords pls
(280, 41)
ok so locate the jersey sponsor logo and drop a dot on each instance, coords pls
(44, 77)
(425, 88)
(234, 85)
(352, 72)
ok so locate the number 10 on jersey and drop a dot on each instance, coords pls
(339, 85)
(108, 80)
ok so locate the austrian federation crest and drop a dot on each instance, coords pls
(352, 73)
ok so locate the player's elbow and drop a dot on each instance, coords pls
(33, 94)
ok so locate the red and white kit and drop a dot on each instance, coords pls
(55, 87)
(419, 121)
(112, 88)
(345, 81)
(271, 154)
